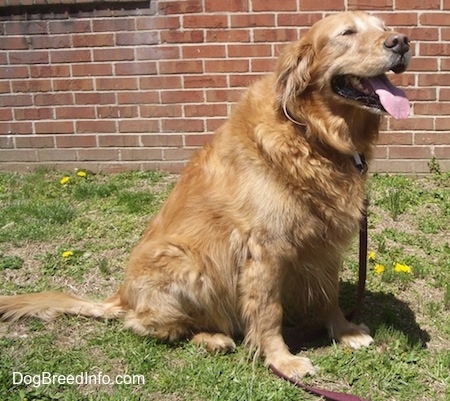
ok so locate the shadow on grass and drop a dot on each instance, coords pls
(379, 310)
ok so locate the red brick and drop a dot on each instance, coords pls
(328, 5)
(49, 42)
(161, 110)
(95, 126)
(25, 27)
(205, 21)
(180, 7)
(158, 53)
(91, 69)
(417, 4)
(409, 152)
(204, 51)
(434, 49)
(34, 85)
(264, 5)
(182, 125)
(434, 19)
(29, 57)
(116, 84)
(98, 154)
(15, 100)
(141, 68)
(70, 56)
(423, 64)
(205, 81)
(141, 154)
(136, 126)
(34, 113)
(412, 123)
(14, 43)
(160, 82)
(262, 64)
(52, 155)
(47, 71)
(249, 50)
(114, 54)
(112, 24)
(53, 127)
(419, 94)
(432, 138)
(12, 72)
(210, 110)
(298, 19)
(442, 124)
(95, 98)
(13, 128)
(188, 36)
(70, 26)
(275, 35)
(78, 112)
(118, 140)
(243, 80)
(431, 80)
(18, 155)
(180, 67)
(389, 138)
(422, 34)
(228, 65)
(186, 96)
(35, 141)
(252, 20)
(76, 141)
(50, 99)
(79, 84)
(93, 40)
(7, 142)
(442, 152)
(158, 22)
(228, 35)
(137, 97)
(164, 140)
(370, 4)
(6, 115)
(223, 95)
(178, 154)
(137, 38)
(226, 5)
(117, 111)
(398, 19)
(425, 108)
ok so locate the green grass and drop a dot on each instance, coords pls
(77, 237)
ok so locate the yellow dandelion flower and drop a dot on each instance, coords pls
(64, 180)
(372, 255)
(81, 173)
(401, 268)
(67, 254)
(379, 269)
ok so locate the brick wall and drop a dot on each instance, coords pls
(140, 85)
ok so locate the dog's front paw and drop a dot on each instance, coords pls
(293, 367)
(355, 336)
(214, 342)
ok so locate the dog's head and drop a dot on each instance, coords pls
(344, 58)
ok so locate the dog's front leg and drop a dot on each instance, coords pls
(260, 286)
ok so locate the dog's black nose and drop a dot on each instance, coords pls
(398, 43)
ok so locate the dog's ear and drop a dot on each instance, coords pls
(293, 72)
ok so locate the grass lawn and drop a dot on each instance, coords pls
(74, 233)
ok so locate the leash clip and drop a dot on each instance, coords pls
(360, 162)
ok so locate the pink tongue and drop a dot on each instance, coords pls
(392, 98)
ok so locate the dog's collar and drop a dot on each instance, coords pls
(360, 162)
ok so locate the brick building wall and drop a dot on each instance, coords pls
(121, 85)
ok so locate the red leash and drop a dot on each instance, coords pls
(332, 395)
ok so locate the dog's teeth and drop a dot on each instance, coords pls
(356, 83)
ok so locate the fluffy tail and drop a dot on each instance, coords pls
(48, 305)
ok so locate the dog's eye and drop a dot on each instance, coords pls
(348, 32)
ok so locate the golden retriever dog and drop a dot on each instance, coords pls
(252, 235)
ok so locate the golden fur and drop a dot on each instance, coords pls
(253, 233)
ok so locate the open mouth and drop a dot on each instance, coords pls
(373, 92)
